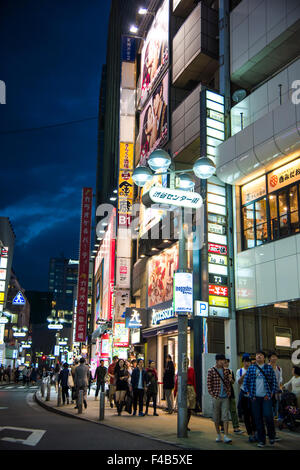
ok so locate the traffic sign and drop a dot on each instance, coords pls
(19, 299)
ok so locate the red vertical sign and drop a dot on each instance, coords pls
(84, 262)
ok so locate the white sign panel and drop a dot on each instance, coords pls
(56, 350)
(183, 292)
(123, 273)
(218, 312)
(201, 308)
(172, 197)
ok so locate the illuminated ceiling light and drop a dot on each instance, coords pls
(186, 182)
(166, 241)
(143, 11)
(97, 245)
(104, 224)
(159, 160)
(94, 251)
(115, 191)
(142, 175)
(204, 168)
(133, 29)
(112, 198)
(154, 249)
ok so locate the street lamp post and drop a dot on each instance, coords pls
(203, 168)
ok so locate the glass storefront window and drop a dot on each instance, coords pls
(283, 213)
(272, 217)
(261, 221)
(294, 210)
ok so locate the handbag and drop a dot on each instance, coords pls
(70, 381)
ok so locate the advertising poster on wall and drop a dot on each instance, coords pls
(121, 335)
(154, 121)
(105, 266)
(161, 270)
(155, 52)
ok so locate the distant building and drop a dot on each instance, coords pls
(7, 242)
(63, 273)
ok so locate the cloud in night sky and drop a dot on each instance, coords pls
(52, 60)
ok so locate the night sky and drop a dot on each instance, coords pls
(51, 54)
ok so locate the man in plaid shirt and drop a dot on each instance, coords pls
(260, 384)
(219, 387)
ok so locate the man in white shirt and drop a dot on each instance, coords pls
(244, 404)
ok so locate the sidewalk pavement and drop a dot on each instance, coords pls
(164, 427)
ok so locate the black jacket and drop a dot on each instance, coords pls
(100, 374)
(169, 376)
(63, 377)
(135, 377)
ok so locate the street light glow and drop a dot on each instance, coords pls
(133, 29)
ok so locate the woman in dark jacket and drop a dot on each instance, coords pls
(152, 387)
(169, 382)
(121, 376)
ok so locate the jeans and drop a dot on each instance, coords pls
(154, 397)
(138, 396)
(262, 410)
(100, 385)
(65, 393)
(246, 410)
(169, 398)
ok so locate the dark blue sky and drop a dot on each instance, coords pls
(51, 54)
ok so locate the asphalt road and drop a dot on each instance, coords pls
(24, 425)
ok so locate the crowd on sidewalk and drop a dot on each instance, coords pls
(132, 387)
(28, 375)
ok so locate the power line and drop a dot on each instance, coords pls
(50, 126)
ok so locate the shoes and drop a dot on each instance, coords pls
(227, 440)
(111, 405)
(252, 439)
(261, 444)
(188, 429)
(219, 438)
(85, 404)
(238, 431)
(68, 402)
(134, 413)
(155, 414)
(272, 442)
(75, 407)
(277, 439)
(141, 414)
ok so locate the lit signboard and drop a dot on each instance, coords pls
(183, 292)
(172, 197)
(218, 301)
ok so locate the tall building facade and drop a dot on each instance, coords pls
(260, 160)
(216, 79)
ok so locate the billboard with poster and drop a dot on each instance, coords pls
(154, 121)
(161, 270)
(155, 52)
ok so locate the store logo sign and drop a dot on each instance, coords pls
(134, 317)
(160, 315)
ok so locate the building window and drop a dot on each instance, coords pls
(271, 217)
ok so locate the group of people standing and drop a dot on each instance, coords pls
(29, 375)
(260, 385)
(132, 383)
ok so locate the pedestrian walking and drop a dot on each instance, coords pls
(73, 392)
(273, 362)
(33, 376)
(55, 375)
(121, 379)
(81, 381)
(1, 373)
(17, 373)
(261, 384)
(112, 381)
(219, 387)
(244, 403)
(191, 392)
(232, 402)
(152, 387)
(169, 383)
(8, 374)
(138, 382)
(293, 385)
(90, 379)
(99, 377)
(63, 377)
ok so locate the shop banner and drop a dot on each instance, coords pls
(121, 335)
(183, 293)
(284, 175)
(161, 270)
(84, 262)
